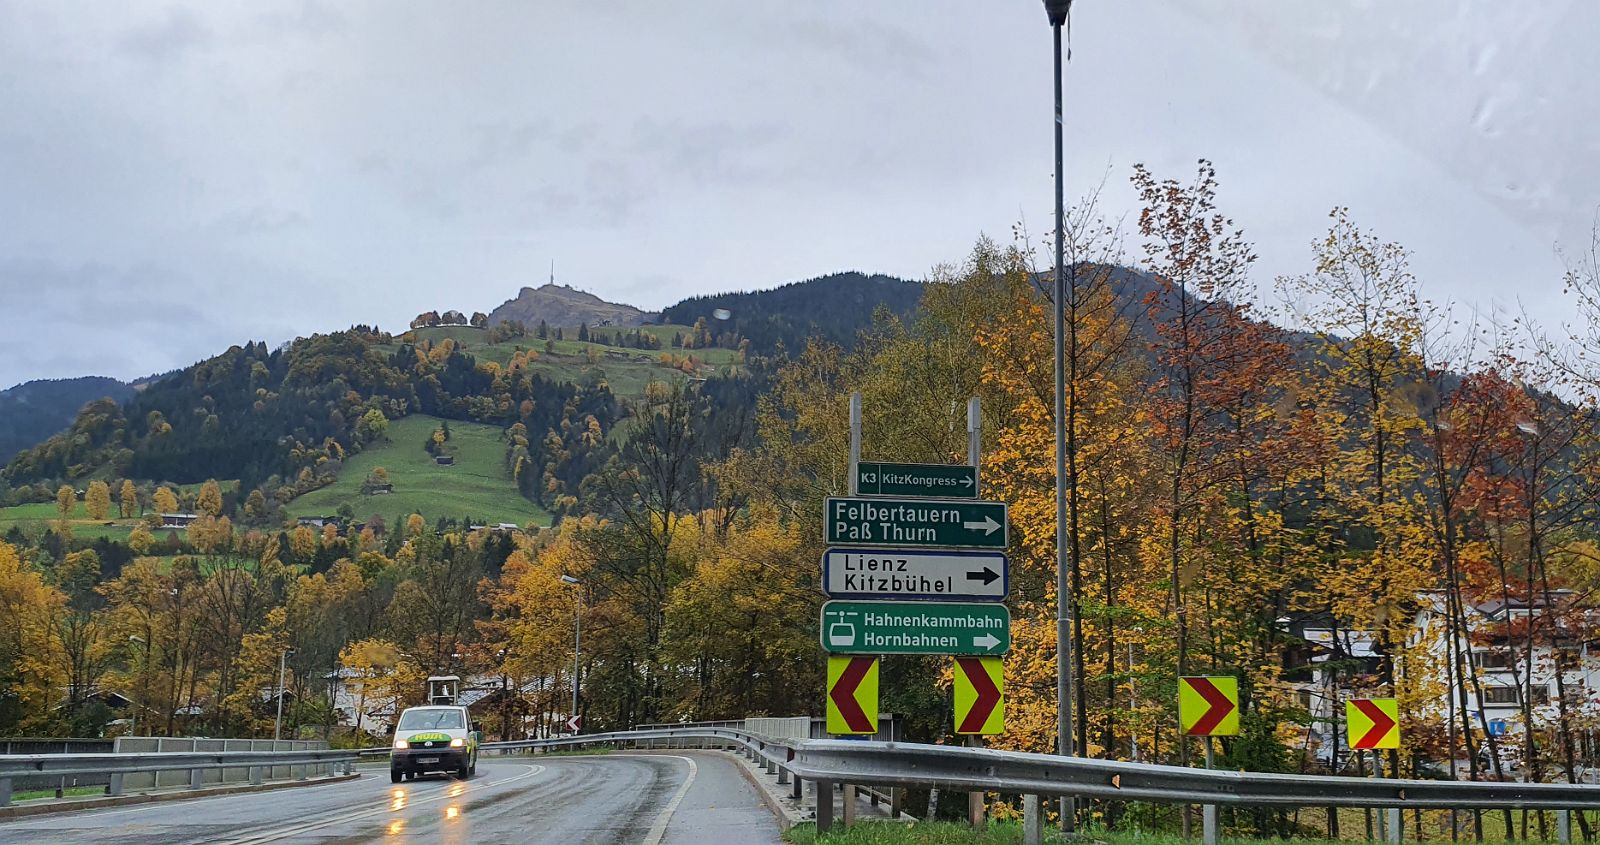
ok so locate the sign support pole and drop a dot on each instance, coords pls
(975, 807)
(1208, 812)
(855, 438)
(974, 436)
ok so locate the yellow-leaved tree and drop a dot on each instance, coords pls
(97, 500)
(128, 500)
(30, 652)
(165, 500)
(209, 500)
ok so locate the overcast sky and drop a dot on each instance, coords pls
(178, 178)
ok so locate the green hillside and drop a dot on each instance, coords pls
(477, 486)
(625, 369)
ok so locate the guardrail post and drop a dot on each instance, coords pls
(114, 787)
(1564, 827)
(255, 775)
(799, 788)
(783, 775)
(5, 792)
(1208, 824)
(196, 778)
(824, 805)
(1395, 830)
(1032, 821)
(349, 767)
(849, 805)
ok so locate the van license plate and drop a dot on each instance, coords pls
(428, 760)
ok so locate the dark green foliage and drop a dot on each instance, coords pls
(34, 410)
(834, 308)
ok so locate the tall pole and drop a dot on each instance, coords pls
(277, 723)
(577, 652)
(1057, 10)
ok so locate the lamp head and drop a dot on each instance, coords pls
(1057, 10)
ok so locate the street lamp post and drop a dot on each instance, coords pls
(577, 642)
(133, 724)
(283, 661)
(1058, 11)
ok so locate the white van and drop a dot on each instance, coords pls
(434, 739)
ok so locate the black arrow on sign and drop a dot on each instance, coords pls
(987, 576)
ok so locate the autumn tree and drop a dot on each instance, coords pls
(164, 500)
(28, 643)
(128, 500)
(209, 500)
(97, 500)
(66, 502)
(1199, 263)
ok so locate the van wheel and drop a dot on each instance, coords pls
(463, 772)
(395, 775)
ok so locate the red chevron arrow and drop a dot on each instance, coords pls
(844, 695)
(1221, 706)
(988, 694)
(1381, 723)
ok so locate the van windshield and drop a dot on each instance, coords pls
(431, 720)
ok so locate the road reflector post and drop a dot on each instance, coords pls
(852, 696)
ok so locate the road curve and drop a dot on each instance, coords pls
(615, 799)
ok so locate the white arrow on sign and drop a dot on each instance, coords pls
(987, 642)
(987, 526)
(575, 723)
(967, 481)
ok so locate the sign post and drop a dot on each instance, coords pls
(879, 627)
(1208, 707)
(939, 481)
(916, 522)
(910, 575)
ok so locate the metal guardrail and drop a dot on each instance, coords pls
(116, 766)
(831, 762)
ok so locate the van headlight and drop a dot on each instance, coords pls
(457, 743)
(400, 743)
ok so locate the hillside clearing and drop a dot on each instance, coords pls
(476, 487)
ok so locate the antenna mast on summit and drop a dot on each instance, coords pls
(552, 271)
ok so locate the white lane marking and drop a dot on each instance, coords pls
(659, 829)
(307, 827)
(50, 820)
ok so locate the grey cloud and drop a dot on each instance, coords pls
(869, 44)
(259, 219)
(310, 19)
(175, 33)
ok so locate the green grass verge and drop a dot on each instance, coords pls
(69, 792)
(896, 833)
(477, 486)
(1010, 833)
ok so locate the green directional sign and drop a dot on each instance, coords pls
(888, 627)
(916, 522)
(936, 480)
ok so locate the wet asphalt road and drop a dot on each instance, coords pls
(627, 799)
